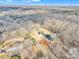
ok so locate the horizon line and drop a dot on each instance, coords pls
(39, 5)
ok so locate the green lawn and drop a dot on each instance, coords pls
(15, 57)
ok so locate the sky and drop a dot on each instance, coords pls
(39, 2)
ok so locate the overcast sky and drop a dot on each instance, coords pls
(39, 2)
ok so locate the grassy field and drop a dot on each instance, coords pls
(15, 57)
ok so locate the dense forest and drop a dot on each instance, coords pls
(62, 20)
